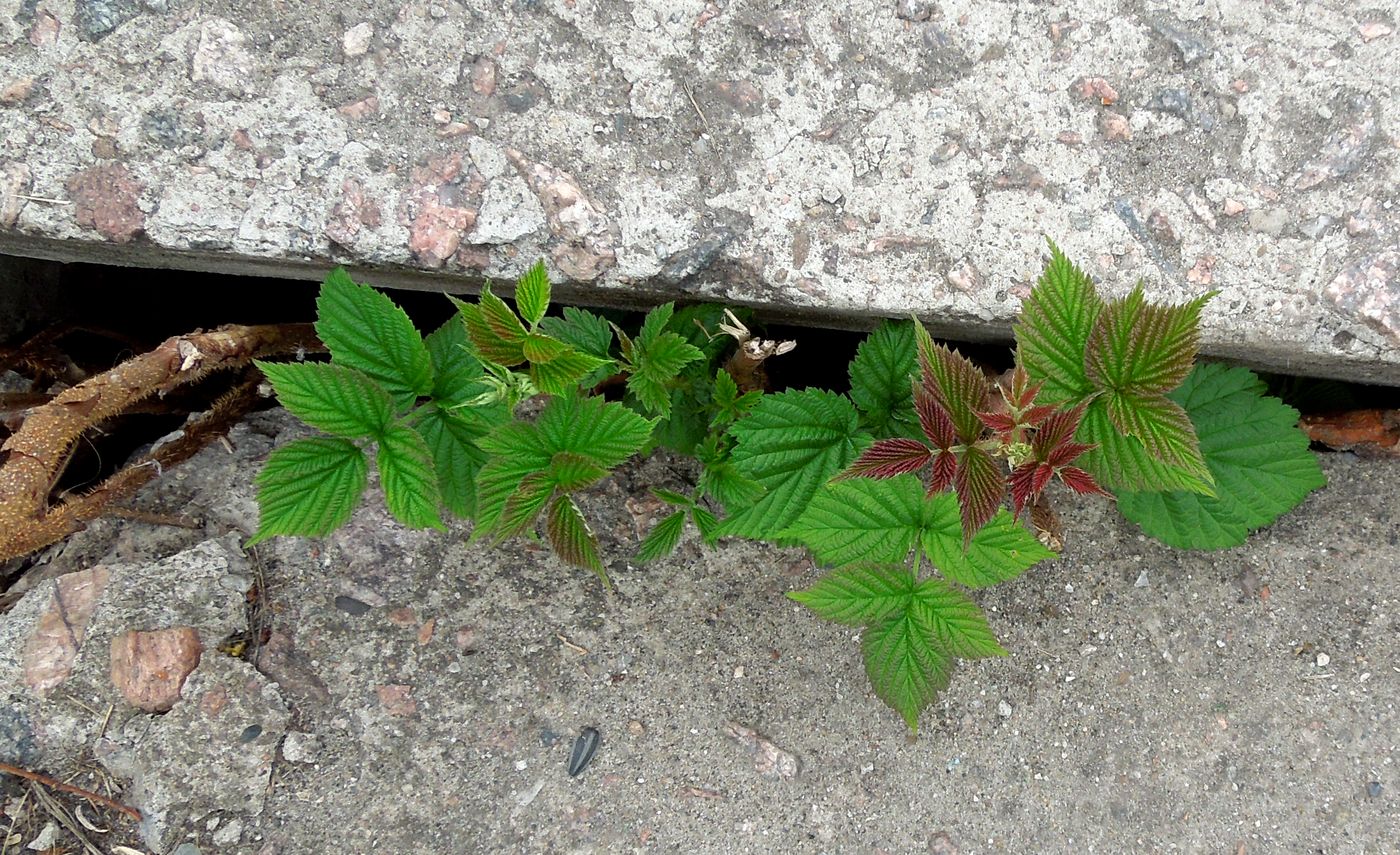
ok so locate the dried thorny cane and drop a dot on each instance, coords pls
(746, 365)
(32, 460)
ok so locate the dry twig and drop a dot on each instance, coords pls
(41, 778)
(33, 458)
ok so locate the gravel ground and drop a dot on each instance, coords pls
(428, 692)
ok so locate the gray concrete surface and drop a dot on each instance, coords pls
(839, 160)
(1156, 701)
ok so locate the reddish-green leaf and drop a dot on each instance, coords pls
(979, 486)
(1143, 347)
(887, 458)
(489, 344)
(1055, 324)
(523, 507)
(1160, 424)
(955, 383)
(573, 471)
(569, 535)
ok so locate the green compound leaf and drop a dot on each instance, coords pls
(513, 481)
(451, 437)
(1122, 462)
(860, 595)
(309, 488)
(364, 330)
(602, 431)
(906, 668)
(587, 333)
(1054, 327)
(1136, 353)
(569, 535)
(532, 294)
(1255, 451)
(565, 371)
(1001, 550)
(727, 404)
(406, 472)
(1118, 359)
(333, 398)
(523, 507)
(1142, 347)
(862, 520)
(913, 629)
(495, 331)
(539, 347)
(881, 376)
(572, 471)
(516, 452)
(791, 444)
(656, 365)
(662, 539)
(657, 358)
(954, 621)
(457, 373)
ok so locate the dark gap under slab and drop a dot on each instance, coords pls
(116, 312)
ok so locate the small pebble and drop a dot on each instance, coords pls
(584, 747)
(1373, 789)
(1004, 709)
(521, 765)
(1141, 580)
(1323, 660)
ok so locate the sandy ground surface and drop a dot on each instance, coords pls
(1155, 701)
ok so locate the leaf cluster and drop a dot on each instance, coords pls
(900, 487)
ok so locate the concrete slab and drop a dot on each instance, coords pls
(1155, 700)
(835, 160)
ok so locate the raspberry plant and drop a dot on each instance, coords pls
(899, 488)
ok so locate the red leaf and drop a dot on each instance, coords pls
(1028, 481)
(934, 419)
(1036, 415)
(1058, 428)
(1080, 481)
(1065, 453)
(980, 487)
(888, 458)
(1001, 423)
(945, 469)
(955, 383)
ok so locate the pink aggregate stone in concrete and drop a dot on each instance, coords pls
(150, 667)
(54, 644)
(105, 199)
(1370, 289)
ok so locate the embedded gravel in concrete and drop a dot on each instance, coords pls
(833, 160)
